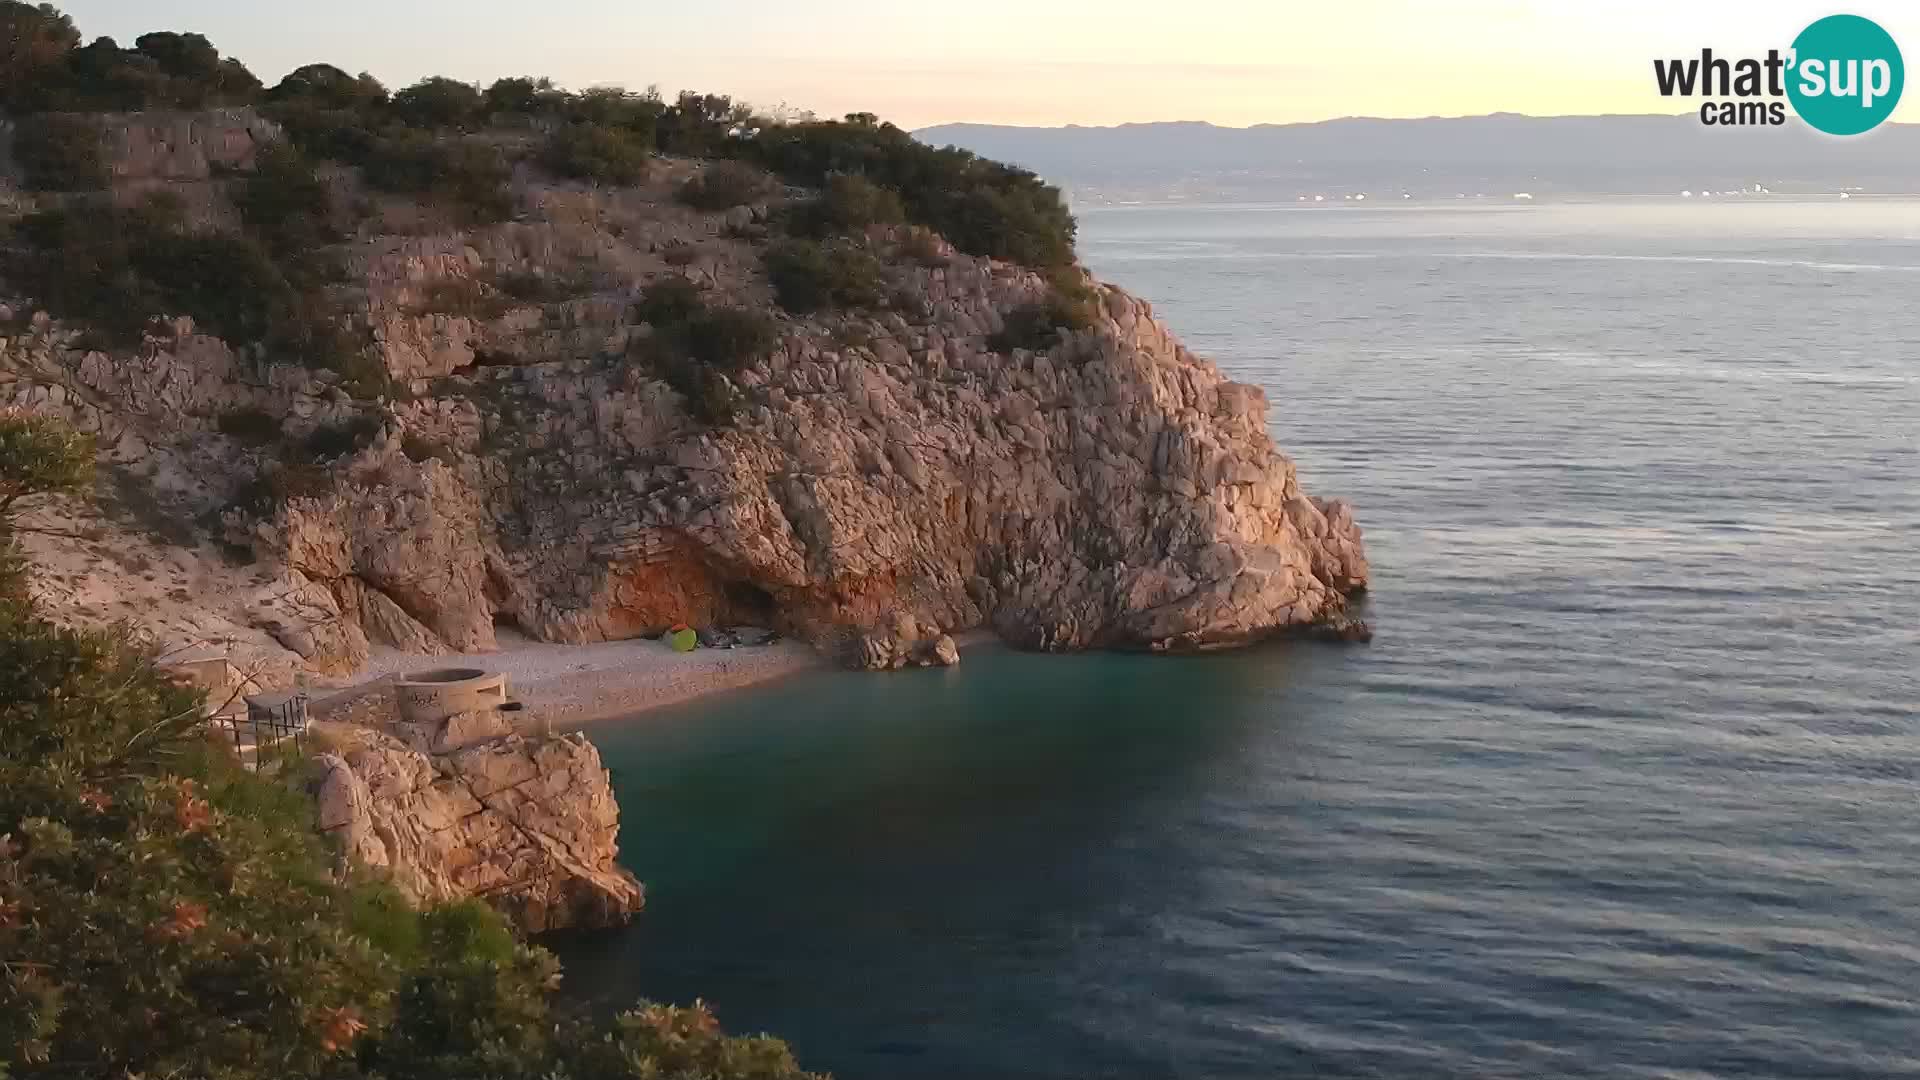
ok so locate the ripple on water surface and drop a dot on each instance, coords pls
(1625, 787)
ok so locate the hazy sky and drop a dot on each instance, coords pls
(920, 62)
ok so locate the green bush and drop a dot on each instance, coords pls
(848, 205)
(331, 134)
(729, 338)
(468, 178)
(612, 107)
(694, 348)
(524, 95)
(701, 125)
(723, 186)
(606, 155)
(327, 87)
(439, 103)
(808, 275)
(982, 207)
(46, 72)
(311, 334)
(35, 43)
(119, 269)
(286, 203)
(61, 152)
(670, 301)
(1039, 326)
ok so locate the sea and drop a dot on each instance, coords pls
(1627, 784)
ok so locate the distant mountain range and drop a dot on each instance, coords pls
(1499, 154)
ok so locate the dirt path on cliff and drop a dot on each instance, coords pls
(572, 685)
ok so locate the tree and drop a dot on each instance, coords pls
(38, 456)
(34, 43)
(329, 87)
(518, 95)
(438, 103)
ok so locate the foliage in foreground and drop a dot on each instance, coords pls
(164, 912)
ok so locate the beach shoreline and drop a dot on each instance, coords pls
(572, 686)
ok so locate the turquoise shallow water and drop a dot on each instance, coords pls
(1628, 785)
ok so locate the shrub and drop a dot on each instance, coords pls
(35, 41)
(331, 134)
(606, 155)
(438, 103)
(286, 203)
(808, 276)
(121, 268)
(523, 95)
(328, 87)
(468, 178)
(982, 207)
(848, 205)
(250, 426)
(700, 125)
(310, 333)
(61, 152)
(729, 338)
(1038, 326)
(694, 347)
(670, 301)
(723, 186)
(613, 107)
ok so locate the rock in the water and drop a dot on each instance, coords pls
(941, 651)
(526, 824)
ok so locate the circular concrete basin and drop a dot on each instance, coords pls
(427, 697)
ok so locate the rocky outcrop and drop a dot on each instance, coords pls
(1113, 490)
(527, 824)
(177, 146)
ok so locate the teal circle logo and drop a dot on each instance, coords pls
(1846, 75)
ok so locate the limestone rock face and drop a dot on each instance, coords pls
(526, 824)
(1113, 491)
(176, 146)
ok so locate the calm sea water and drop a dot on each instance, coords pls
(1628, 785)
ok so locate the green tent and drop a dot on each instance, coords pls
(683, 639)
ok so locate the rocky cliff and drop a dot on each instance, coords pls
(525, 823)
(889, 477)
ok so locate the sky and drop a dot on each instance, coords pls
(1040, 62)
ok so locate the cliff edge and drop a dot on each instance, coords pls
(885, 472)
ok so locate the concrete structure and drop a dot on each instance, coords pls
(430, 697)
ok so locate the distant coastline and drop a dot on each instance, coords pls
(1439, 157)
